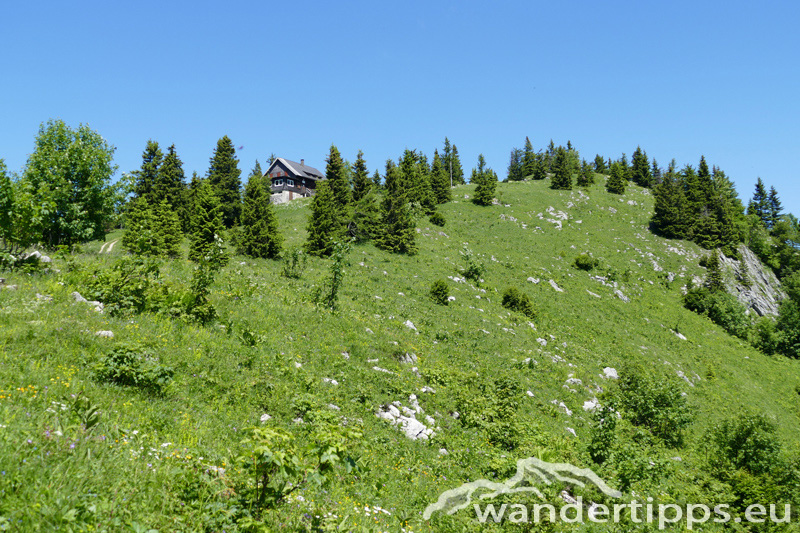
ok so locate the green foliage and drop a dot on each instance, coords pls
(123, 288)
(294, 263)
(452, 163)
(765, 336)
(491, 406)
(586, 175)
(640, 168)
(259, 234)
(133, 366)
(747, 442)
(223, 175)
(516, 169)
(146, 178)
(670, 212)
(327, 295)
(438, 219)
(586, 262)
(171, 186)
(336, 178)
(599, 164)
(440, 292)
(603, 434)
(654, 403)
(616, 182)
(440, 180)
(518, 302)
(398, 229)
(562, 171)
(67, 177)
(485, 181)
(721, 308)
(362, 184)
(788, 326)
(366, 219)
(152, 230)
(323, 228)
(474, 269)
(714, 281)
(207, 225)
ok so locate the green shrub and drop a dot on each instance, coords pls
(124, 287)
(788, 326)
(586, 262)
(722, 308)
(440, 292)
(748, 442)
(765, 336)
(473, 269)
(294, 264)
(654, 403)
(438, 219)
(327, 295)
(519, 302)
(603, 434)
(134, 367)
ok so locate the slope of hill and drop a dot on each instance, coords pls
(479, 386)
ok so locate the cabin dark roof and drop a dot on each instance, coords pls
(298, 169)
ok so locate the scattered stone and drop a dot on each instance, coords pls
(681, 336)
(265, 417)
(408, 358)
(334, 407)
(346, 355)
(407, 421)
(331, 381)
(570, 430)
(105, 334)
(593, 294)
(562, 406)
(683, 376)
(443, 451)
(9, 287)
(535, 281)
(621, 296)
(529, 393)
(44, 298)
(427, 389)
(555, 286)
(298, 420)
(610, 373)
(591, 405)
(574, 381)
(451, 298)
(370, 331)
(77, 297)
(455, 414)
(542, 341)
(379, 369)
(410, 325)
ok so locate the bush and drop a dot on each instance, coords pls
(440, 292)
(133, 367)
(765, 336)
(123, 288)
(473, 269)
(722, 308)
(654, 403)
(788, 326)
(747, 442)
(294, 263)
(519, 302)
(603, 435)
(586, 262)
(438, 219)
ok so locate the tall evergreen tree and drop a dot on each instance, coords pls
(223, 175)
(562, 176)
(516, 170)
(599, 164)
(6, 208)
(440, 181)
(775, 207)
(398, 230)
(586, 175)
(539, 167)
(640, 168)
(336, 176)
(759, 205)
(616, 182)
(171, 185)
(376, 179)
(206, 221)
(323, 227)
(669, 216)
(169, 230)
(452, 163)
(656, 173)
(146, 178)
(714, 280)
(361, 182)
(485, 181)
(415, 181)
(258, 174)
(529, 160)
(259, 234)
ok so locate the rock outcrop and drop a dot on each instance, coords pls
(753, 284)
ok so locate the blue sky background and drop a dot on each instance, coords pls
(679, 78)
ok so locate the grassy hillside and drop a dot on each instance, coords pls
(170, 461)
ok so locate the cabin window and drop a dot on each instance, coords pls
(290, 183)
(278, 183)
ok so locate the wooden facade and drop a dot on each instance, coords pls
(291, 180)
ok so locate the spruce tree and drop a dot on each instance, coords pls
(398, 230)
(140, 236)
(366, 220)
(6, 209)
(361, 182)
(440, 181)
(376, 179)
(453, 164)
(656, 173)
(206, 222)
(714, 281)
(562, 178)
(171, 185)
(168, 229)
(336, 176)
(415, 180)
(323, 227)
(586, 175)
(259, 234)
(775, 207)
(516, 170)
(669, 216)
(616, 182)
(529, 160)
(539, 167)
(146, 178)
(599, 164)
(223, 175)
(640, 168)
(485, 181)
(759, 205)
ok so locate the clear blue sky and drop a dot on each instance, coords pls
(679, 78)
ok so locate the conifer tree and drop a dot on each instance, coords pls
(452, 163)
(168, 228)
(599, 164)
(656, 173)
(775, 207)
(516, 170)
(550, 156)
(616, 182)
(337, 178)
(259, 234)
(759, 205)
(586, 175)
(258, 174)
(640, 168)
(206, 222)
(440, 181)
(415, 180)
(323, 227)
(376, 179)
(562, 178)
(669, 216)
(147, 176)
(485, 181)
(171, 185)
(361, 182)
(714, 281)
(529, 160)
(366, 221)
(398, 230)
(6, 208)
(539, 167)
(224, 177)
(152, 229)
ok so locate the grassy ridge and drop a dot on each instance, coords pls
(154, 461)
